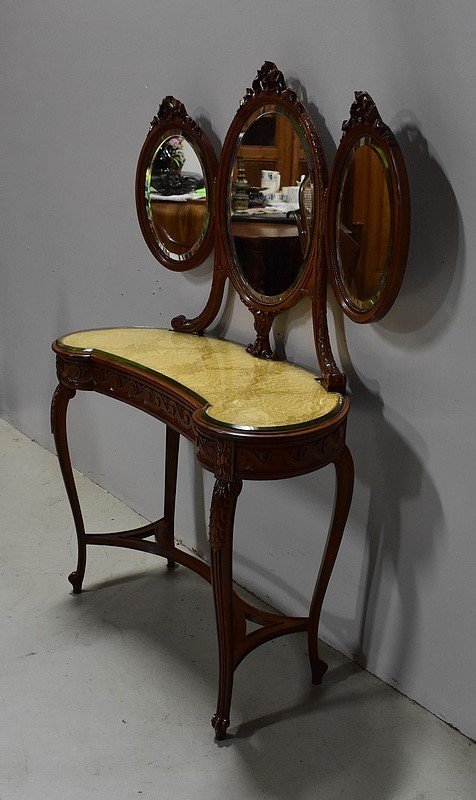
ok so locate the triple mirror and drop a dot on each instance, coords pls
(273, 219)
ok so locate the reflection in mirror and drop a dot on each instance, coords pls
(176, 197)
(364, 223)
(271, 201)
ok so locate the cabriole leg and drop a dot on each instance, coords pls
(59, 407)
(222, 514)
(171, 465)
(344, 468)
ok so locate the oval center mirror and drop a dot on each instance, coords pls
(364, 223)
(271, 204)
(176, 197)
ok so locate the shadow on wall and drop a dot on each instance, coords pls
(392, 469)
(398, 554)
(432, 284)
(389, 454)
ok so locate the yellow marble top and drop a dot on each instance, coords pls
(242, 391)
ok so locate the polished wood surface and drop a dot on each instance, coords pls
(232, 456)
(232, 453)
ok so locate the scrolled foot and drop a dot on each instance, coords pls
(76, 580)
(318, 671)
(220, 724)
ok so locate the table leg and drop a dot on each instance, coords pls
(171, 464)
(222, 514)
(59, 407)
(344, 468)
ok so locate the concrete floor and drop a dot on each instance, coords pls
(109, 694)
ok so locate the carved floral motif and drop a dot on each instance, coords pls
(173, 110)
(272, 459)
(363, 111)
(224, 458)
(155, 401)
(261, 348)
(269, 80)
(223, 502)
(74, 373)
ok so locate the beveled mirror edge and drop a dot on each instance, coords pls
(171, 119)
(269, 89)
(365, 120)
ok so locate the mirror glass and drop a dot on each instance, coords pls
(176, 197)
(271, 204)
(364, 223)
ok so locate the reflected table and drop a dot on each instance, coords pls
(268, 250)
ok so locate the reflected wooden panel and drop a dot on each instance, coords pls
(364, 225)
(367, 215)
(179, 225)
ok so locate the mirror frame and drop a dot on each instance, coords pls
(269, 89)
(172, 120)
(365, 120)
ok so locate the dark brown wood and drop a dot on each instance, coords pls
(172, 120)
(210, 312)
(231, 454)
(171, 466)
(269, 91)
(222, 512)
(59, 406)
(365, 121)
(344, 469)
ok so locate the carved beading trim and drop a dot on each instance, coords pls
(173, 110)
(333, 380)
(363, 111)
(298, 458)
(157, 401)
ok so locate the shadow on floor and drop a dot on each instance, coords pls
(290, 735)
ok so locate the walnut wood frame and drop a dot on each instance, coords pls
(171, 120)
(365, 120)
(231, 454)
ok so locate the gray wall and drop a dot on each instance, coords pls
(81, 82)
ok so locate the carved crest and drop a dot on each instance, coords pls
(173, 110)
(269, 80)
(363, 111)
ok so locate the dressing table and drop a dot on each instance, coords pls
(249, 415)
